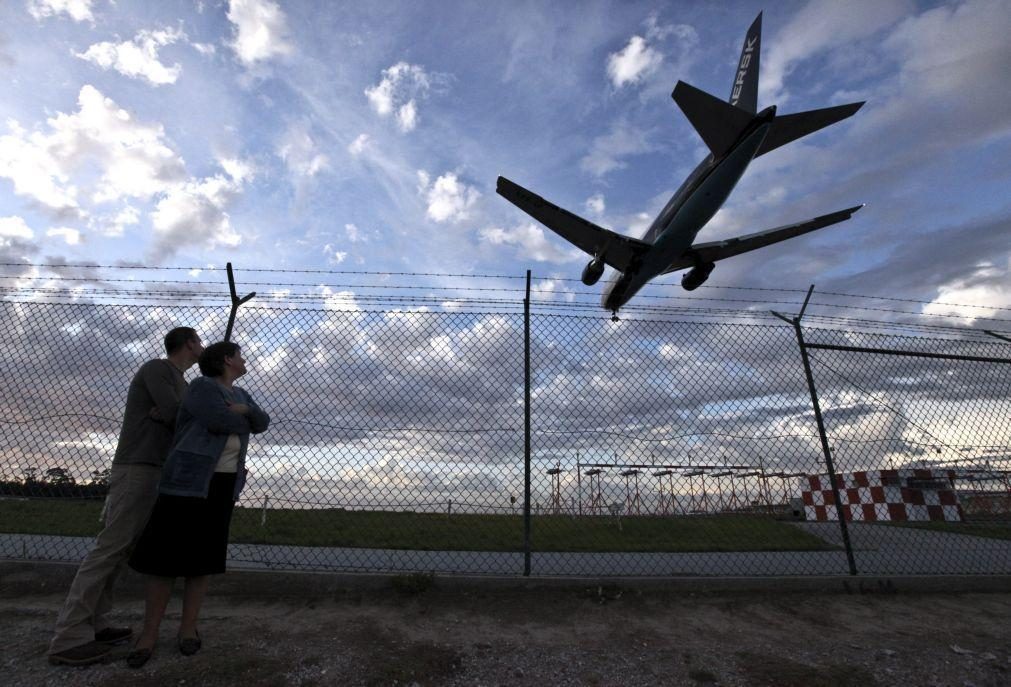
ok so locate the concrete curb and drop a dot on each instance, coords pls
(32, 578)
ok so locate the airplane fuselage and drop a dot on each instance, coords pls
(690, 208)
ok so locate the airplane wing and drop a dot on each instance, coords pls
(614, 249)
(719, 250)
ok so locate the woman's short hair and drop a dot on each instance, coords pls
(179, 337)
(212, 360)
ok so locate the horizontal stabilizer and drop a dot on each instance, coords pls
(786, 128)
(710, 252)
(614, 249)
(718, 122)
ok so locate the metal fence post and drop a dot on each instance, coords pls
(829, 465)
(236, 301)
(526, 430)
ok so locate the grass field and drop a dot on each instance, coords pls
(439, 532)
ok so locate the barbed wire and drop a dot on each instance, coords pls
(208, 295)
(576, 307)
(374, 273)
(418, 306)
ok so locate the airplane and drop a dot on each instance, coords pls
(735, 133)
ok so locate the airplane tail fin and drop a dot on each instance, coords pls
(786, 128)
(744, 92)
(718, 122)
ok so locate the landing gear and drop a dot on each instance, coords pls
(614, 316)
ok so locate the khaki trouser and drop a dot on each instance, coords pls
(132, 493)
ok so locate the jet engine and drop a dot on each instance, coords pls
(592, 271)
(697, 276)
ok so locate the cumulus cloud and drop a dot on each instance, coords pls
(449, 199)
(640, 223)
(138, 58)
(607, 151)
(530, 242)
(354, 234)
(358, 146)
(334, 256)
(595, 204)
(78, 10)
(639, 58)
(16, 241)
(260, 30)
(982, 294)
(407, 117)
(301, 153)
(14, 228)
(134, 158)
(630, 64)
(115, 225)
(194, 213)
(71, 237)
(549, 290)
(397, 94)
(240, 171)
(36, 172)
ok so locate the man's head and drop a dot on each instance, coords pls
(183, 344)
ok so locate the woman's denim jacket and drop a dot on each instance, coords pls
(202, 428)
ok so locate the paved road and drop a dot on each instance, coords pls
(891, 550)
(877, 551)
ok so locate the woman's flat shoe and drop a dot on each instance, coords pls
(138, 657)
(189, 645)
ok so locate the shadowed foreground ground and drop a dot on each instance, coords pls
(373, 631)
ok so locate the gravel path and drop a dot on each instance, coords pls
(420, 631)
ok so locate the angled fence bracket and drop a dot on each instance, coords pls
(236, 301)
(997, 336)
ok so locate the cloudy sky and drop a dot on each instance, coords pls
(369, 137)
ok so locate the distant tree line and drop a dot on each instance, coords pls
(55, 482)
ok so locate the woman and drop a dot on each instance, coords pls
(187, 535)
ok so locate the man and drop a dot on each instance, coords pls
(83, 634)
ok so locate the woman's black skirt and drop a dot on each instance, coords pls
(187, 536)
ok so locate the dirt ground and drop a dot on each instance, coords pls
(416, 630)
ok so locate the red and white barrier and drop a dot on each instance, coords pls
(883, 495)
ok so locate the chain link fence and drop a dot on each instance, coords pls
(657, 446)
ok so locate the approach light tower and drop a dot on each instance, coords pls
(700, 504)
(556, 488)
(633, 502)
(666, 504)
(596, 505)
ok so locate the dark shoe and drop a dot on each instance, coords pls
(138, 657)
(113, 635)
(189, 645)
(83, 655)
